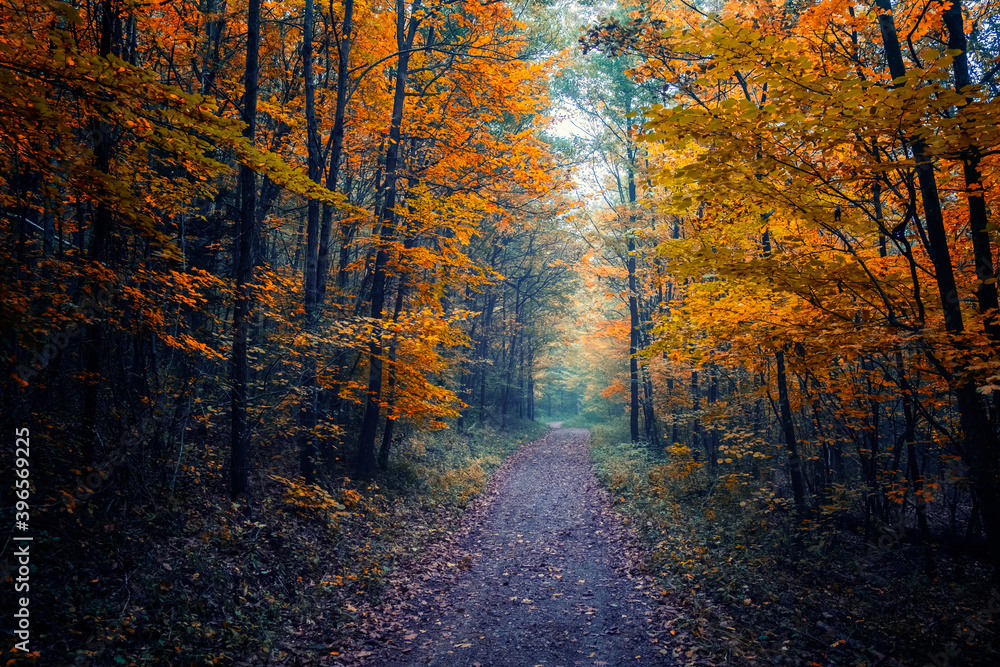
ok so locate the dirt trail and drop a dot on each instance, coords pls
(539, 575)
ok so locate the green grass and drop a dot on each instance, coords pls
(451, 468)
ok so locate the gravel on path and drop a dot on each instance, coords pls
(540, 574)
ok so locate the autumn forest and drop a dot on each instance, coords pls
(307, 306)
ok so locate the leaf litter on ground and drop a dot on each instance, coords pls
(540, 570)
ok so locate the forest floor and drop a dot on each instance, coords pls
(540, 572)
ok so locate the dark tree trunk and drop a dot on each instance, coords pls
(788, 429)
(210, 61)
(406, 29)
(785, 413)
(336, 150)
(468, 377)
(712, 438)
(483, 352)
(100, 251)
(246, 235)
(633, 303)
(508, 375)
(390, 419)
(981, 447)
(695, 409)
(633, 343)
(520, 383)
(915, 474)
(986, 291)
(307, 416)
(651, 431)
(531, 382)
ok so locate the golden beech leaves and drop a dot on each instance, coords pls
(121, 151)
(784, 135)
(804, 205)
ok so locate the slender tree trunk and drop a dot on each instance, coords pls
(100, 251)
(981, 447)
(468, 377)
(785, 413)
(336, 150)
(520, 384)
(390, 419)
(531, 382)
(915, 474)
(509, 374)
(483, 353)
(788, 429)
(633, 343)
(651, 431)
(673, 412)
(313, 165)
(239, 465)
(695, 409)
(633, 302)
(712, 438)
(876, 497)
(307, 416)
(210, 61)
(986, 290)
(406, 29)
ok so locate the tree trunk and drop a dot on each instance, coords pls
(633, 301)
(100, 251)
(712, 438)
(915, 474)
(336, 149)
(520, 383)
(986, 291)
(244, 262)
(406, 30)
(633, 343)
(531, 382)
(508, 375)
(788, 429)
(651, 431)
(210, 61)
(307, 416)
(981, 447)
(467, 375)
(390, 419)
(695, 408)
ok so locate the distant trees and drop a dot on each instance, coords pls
(604, 102)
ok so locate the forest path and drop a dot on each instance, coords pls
(537, 575)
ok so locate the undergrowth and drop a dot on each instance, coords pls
(753, 585)
(188, 578)
(449, 468)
